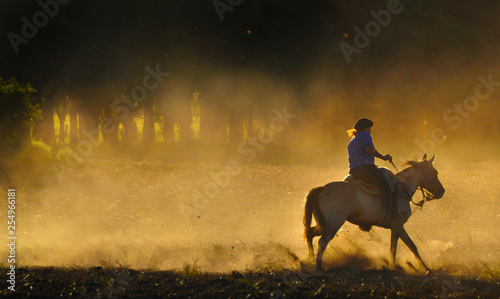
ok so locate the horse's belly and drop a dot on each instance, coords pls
(368, 210)
(365, 219)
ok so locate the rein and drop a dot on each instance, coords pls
(426, 195)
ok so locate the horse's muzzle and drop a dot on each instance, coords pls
(439, 193)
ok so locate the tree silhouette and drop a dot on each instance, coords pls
(20, 108)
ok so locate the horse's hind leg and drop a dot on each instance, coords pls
(311, 233)
(394, 246)
(406, 238)
(328, 235)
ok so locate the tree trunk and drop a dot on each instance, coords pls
(235, 127)
(149, 125)
(89, 124)
(185, 120)
(73, 124)
(168, 127)
(62, 136)
(207, 123)
(44, 128)
(250, 128)
(109, 131)
(129, 130)
(221, 125)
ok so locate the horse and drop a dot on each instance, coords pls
(340, 201)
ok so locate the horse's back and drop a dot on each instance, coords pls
(337, 184)
(338, 188)
(337, 196)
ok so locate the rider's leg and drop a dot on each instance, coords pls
(372, 175)
(377, 177)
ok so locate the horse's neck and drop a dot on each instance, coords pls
(411, 178)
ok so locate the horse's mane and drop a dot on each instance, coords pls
(410, 163)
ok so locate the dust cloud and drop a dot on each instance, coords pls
(140, 206)
(122, 211)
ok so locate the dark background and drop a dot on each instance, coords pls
(427, 59)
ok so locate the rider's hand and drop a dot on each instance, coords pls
(388, 158)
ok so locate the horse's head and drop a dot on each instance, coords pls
(429, 176)
(429, 179)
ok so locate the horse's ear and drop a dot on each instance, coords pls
(432, 159)
(424, 157)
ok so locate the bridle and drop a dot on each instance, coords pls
(426, 195)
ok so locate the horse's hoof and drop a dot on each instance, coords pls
(319, 269)
(306, 265)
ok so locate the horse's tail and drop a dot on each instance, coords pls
(311, 203)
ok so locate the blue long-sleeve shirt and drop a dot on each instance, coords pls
(356, 153)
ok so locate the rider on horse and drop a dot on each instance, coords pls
(361, 155)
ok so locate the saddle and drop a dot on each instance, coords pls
(370, 189)
(401, 197)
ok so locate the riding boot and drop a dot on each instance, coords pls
(387, 199)
(400, 195)
(402, 191)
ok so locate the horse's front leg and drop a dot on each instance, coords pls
(406, 238)
(394, 245)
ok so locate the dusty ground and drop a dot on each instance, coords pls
(343, 282)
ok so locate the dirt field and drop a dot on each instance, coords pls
(158, 227)
(343, 282)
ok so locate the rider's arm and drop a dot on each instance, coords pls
(372, 151)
